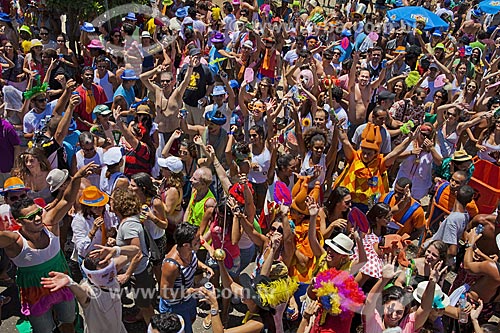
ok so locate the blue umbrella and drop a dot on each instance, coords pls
(411, 14)
(490, 6)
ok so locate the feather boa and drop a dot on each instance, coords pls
(277, 292)
(338, 292)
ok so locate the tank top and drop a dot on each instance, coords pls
(307, 170)
(155, 231)
(184, 280)
(198, 208)
(31, 257)
(447, 144)
(97, 159)
(263, 160)
(108, 185)
(105, 84)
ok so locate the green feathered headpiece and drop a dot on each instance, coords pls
(38, 89)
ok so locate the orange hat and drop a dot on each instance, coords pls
(300, 192)
(92, 196)
(371, 137)
(13, 184)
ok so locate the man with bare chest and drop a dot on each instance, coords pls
(167, 100)
(361, 91)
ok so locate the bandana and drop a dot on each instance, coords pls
(103, 278)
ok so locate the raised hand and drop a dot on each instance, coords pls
(436, 272)
(389, 269)
(177, 134)
(476, 311)
(56, 281)
(197, 140)
(86, 170)
(312, 205)
(106, 253)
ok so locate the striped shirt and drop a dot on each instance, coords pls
(137, 160)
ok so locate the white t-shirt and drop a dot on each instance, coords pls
(32, 120)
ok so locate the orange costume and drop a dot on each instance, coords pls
(369, 181)
(302, 268)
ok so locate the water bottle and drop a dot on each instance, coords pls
(463, 317)
(479, 229)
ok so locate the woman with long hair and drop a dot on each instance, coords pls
(259, 164)
(440, 98)
(379, 217)
(188, 153)
(449, 128)
(14, 76)
(155, 223)
(34, 168)
(469, 95)
(418, 160)
(66, 56)
(33, 61)
(435, 252)
(488, 142)
(171, 192)
(334, 213)
(395, 310)
(398, 86)
(259, 317)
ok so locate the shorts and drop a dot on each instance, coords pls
(144, 288)
(64, 314)
(195, 115)
(186, 309)
(162, 246)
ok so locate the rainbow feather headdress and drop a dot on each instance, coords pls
(338, 292)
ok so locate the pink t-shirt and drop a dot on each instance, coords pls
(375, 325)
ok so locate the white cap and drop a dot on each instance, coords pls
(112, 156)
(172, 163)
(248, 43)
(145, 34)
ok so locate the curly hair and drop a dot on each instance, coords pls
(314, 134)
(36, 153)
(125, 202)
(191, 147)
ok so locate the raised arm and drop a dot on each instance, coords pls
(313, 207)
(63, 126)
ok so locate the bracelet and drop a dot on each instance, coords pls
(217, 165)
(91, 234)
(70, 282)
(230, 133)
(118, 250)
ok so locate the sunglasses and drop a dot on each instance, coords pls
(165, 81)
(438, 96)
(254, 135)
(41, 100)
(8, 47)
(101, 66)
(60, 41)
(32, 216)
(278, 229)
(17, 197)
(451, 114)
(43, 34)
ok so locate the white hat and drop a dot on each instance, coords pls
(112, 156)
(172, 163)
(145, 34)
(441, 300)
(187, 20)
(56, 178)
(248, 43)
(313, 3)
(218, 91)
(341, 244)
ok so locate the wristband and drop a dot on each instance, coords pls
(70, 282)
(230, 133)
(118, 251)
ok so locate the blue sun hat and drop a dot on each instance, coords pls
(216, 117)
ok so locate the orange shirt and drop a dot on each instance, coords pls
(415, 221)
(447, 200)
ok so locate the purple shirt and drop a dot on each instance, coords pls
(8, 139)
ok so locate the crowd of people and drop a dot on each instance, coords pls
(305, 163)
